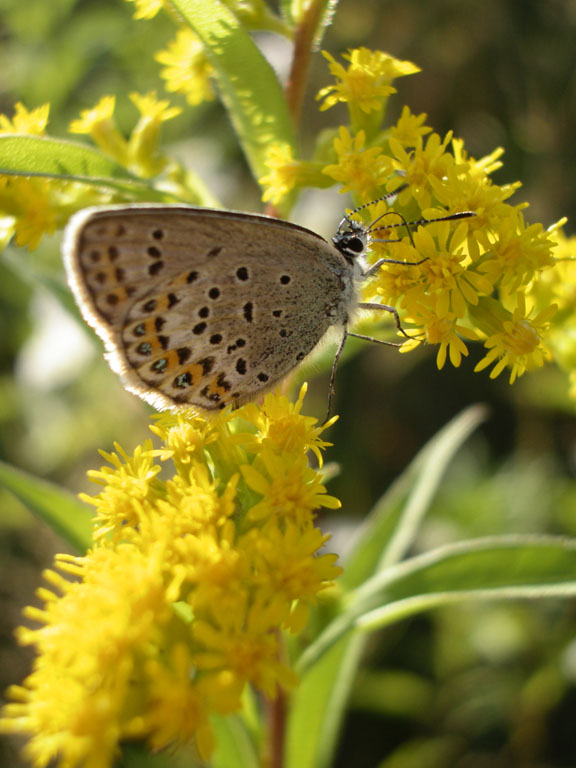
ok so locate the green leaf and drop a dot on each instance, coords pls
(56, 506)
(391, 526)
(499, 567)
(328, 667)
(248, 85)
(318, 704)
(234, 747)
(23, 155)
(137, 754)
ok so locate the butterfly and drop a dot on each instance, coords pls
(205, 308)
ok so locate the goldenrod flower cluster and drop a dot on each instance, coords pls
(205, 549)
(476, 279)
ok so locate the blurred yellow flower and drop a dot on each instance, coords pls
(186, 69)
(29, 121)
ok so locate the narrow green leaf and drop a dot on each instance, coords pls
(318, 705)
(499, 567)
(328, 669)
(248, 85)
(23, 155)
(137, 754)
(503, 567)
(391, 526)
(234, 747)
(56, 506)
(45, 156)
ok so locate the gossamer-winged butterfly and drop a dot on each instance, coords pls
(201, 307)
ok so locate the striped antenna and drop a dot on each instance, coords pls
(412, 225)
(389, 196)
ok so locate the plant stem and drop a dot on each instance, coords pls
(276, 710)
(303, 42)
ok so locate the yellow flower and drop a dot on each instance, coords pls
(185, 591)
(445, 332)
(359, 170)
(186, 69)
(98, 122)
(143, 148)
(179, 706)
(558, 283)
(447, 274)
(287, 563)
(445, 280)
(366, 83)
(147, 9)
(284, 173)
(517, 340)
(31, 207)
(409, 128)
(198, 499)
(423, 164)
(128, 489)
(281, 428)
(184, 435)
(245, 645)
(518, 252)
(32, 122)
(291, 490)
(73, 704)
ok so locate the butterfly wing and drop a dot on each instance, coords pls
(201, 307)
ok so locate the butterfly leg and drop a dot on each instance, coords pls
(375, 340)
(331, 388)
(373, 268)
(385, 308)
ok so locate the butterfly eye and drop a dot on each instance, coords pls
(355, 244)
(350, 244)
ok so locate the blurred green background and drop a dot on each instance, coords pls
(491, 685)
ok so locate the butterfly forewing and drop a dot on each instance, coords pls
(204, 307)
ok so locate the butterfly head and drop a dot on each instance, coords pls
(351, 239)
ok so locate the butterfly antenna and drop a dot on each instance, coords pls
(413, 225)
(389, 196)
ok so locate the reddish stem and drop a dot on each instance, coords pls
(303, 41)
(276, 711)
